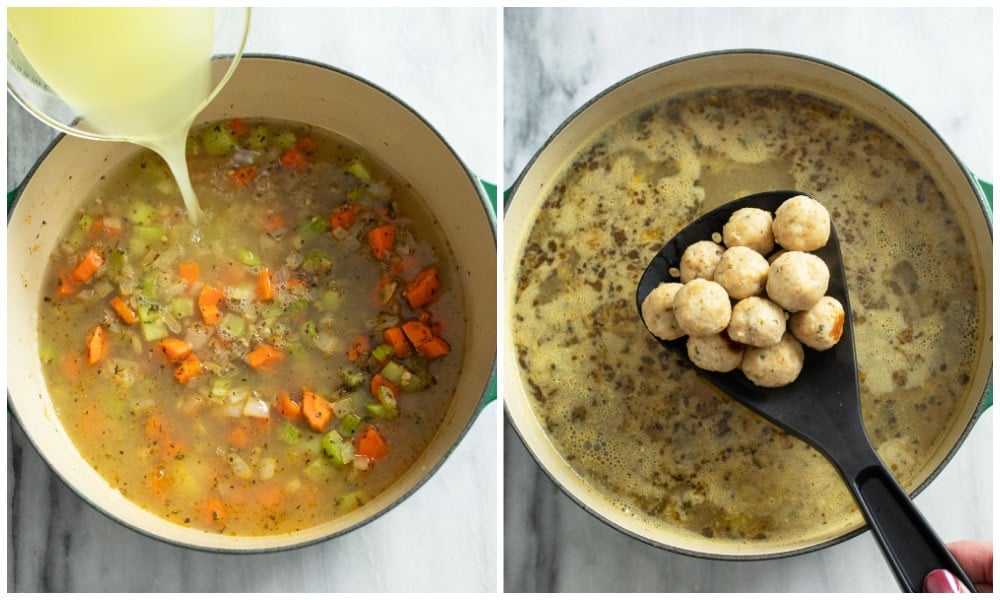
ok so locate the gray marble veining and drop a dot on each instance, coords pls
(555, 60)
(444, 536)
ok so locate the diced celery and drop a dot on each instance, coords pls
(148, 286)
(289, 433)
(317, 263)
(411, 382)
(331, 300)
(233, 325)
(270, 311)
(313, 228)
(249, 257)
(116, 264)
(357, 168)
(386, 397)
(155, 330)
(182, 307)
(148, 233)
(352, 377)
(309, 329)
(356, 193)
(298, 306)
(85, 223)
(220, 387)
(285, 140)
(257, 140)
(382, 352)
(47, 354)
(148, 313)
(218, 140)
(352, 501)
(140, 213)
(317, 470)
(393, 371)
(339, 451)
(349, 425)
(382, 412)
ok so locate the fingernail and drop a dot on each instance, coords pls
(941, 581)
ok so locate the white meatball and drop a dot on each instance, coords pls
(797, 280)
(658, 312)
(801, 223)
(750, 227)
(742, 271)
(702, 307)
(775, 365)
(715, 352)
(821, 326)
(699, 260)
(757, 322)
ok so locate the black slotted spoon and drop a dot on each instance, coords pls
(822, 407)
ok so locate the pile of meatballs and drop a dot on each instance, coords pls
(742, 310)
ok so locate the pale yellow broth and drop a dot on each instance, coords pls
(633, 419)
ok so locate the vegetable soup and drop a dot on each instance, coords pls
(271, 369)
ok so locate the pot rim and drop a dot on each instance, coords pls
(431, 470)
(985, 398)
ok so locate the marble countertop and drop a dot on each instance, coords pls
(938, 61)
(444, 536)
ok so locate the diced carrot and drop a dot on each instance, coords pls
(237, 437)
(397, 339)
(97, 345)
(381, 240)
(243, 176)
(265, 286)
(265, 356)
(107, 226)
(418, 333)
(379, 381)
(288, 408)
(66, 284)
(213, 512)
(69, 366)
(434, 348)
(124, 310)
(174, 349)
(208, 304)
(359, 348)
(273, 222)
(157, 482)
(294, 158)
(305, 145)
(188, 370)
(269, 497)
(422, 290)
(88, 265)
(371, 444)
(237, 126)
(189, 272)
(316, 410)
(345, 217)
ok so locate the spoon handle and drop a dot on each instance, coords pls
(908, 543)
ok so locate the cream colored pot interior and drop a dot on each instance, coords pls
(694, 74)
(280, 89)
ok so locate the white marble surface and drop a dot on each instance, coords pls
(444, 537)
(939, 62)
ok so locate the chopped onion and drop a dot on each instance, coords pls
(240, 466)
(361, 463)
(342, 407)
(257, 408)
(326, 342)
(267, 468)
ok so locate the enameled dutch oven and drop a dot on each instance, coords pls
(299, 91)
(715, 70)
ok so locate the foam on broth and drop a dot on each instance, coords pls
(633, 420)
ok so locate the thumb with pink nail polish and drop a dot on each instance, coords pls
(940, 581)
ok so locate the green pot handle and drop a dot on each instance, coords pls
(491, 391)
(987, 188)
